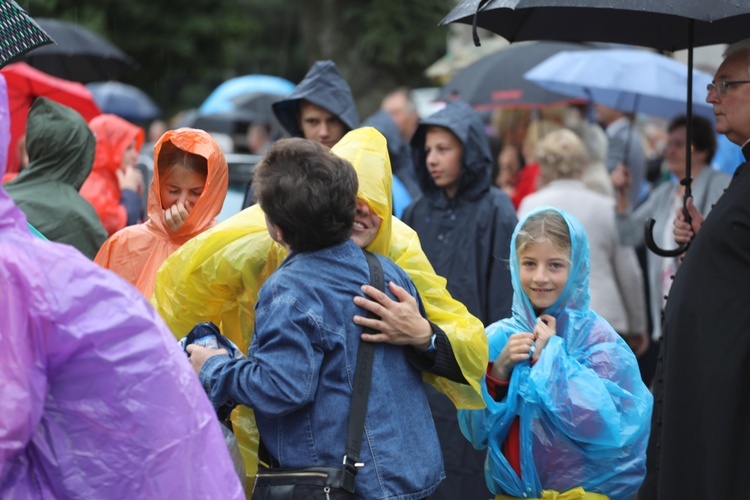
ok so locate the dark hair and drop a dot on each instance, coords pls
(704, 137)
(309, 192)
(170, 155)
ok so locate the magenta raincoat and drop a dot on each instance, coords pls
(97, 399)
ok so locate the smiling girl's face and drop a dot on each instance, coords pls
(543, 271)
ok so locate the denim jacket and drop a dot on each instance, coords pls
(299, 372)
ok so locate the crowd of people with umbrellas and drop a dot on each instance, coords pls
(406, 306)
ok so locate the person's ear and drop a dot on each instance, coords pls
(279, 235)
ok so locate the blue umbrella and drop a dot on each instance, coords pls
(221, 100)
(630, 80)
(125, 101)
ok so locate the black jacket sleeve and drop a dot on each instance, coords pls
(441, 362)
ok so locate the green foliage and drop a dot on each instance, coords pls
(398, 33)
(185, 49)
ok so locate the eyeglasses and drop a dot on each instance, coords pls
(721, 87)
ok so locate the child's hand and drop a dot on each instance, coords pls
(130, 178)
(516, 350)
(544, 329)
(198, 355)
(176, 215)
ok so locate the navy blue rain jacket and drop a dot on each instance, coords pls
(466, 238)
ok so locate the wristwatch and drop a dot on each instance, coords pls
(432, 344)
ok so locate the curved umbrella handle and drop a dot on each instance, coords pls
(648, 236)
(648, 230)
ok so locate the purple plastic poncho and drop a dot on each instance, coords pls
(97, 399)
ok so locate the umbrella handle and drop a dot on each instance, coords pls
(648, 236)
(648, 230)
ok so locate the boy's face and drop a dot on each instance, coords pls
(366, 225)
(443, 158)
(319, 124)
(543, 271)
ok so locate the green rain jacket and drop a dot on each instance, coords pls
(61, 154)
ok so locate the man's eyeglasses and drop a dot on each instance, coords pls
(721, 87)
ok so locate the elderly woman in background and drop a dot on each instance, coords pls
(617, 292)
(662, 204)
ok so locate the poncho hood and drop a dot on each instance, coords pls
(113, 136)
(574, 300)
(209, 204)
(476, 160)
(102, 188)
(60, 145)
(323, 86)
(365, 148)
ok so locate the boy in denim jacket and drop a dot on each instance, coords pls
(300, 366)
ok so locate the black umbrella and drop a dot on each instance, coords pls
(650, 23)
(79, 54)
(496, 80)
(258, 106)
(674, 25)
(18, 32)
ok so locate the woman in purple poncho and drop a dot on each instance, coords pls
(97, 399)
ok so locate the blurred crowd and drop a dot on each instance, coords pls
(474, 215)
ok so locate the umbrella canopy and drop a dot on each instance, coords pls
(221, 99)
(496, 80)
(674, 25)
(125, 101)
(657, 24)
(256, 106)
(445, 68)
(25, 84)
(18, 32)
(79, 54)
(626, 79)
(258, 102)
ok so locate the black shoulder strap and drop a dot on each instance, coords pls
(362, 375)
(362, 381)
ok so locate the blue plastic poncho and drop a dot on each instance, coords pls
(97, 399)
(583, 410)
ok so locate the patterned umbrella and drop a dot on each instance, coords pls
(18, 32)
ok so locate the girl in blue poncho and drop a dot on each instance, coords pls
(567, 412)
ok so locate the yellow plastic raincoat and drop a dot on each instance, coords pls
(217, 275)
(136, 252)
